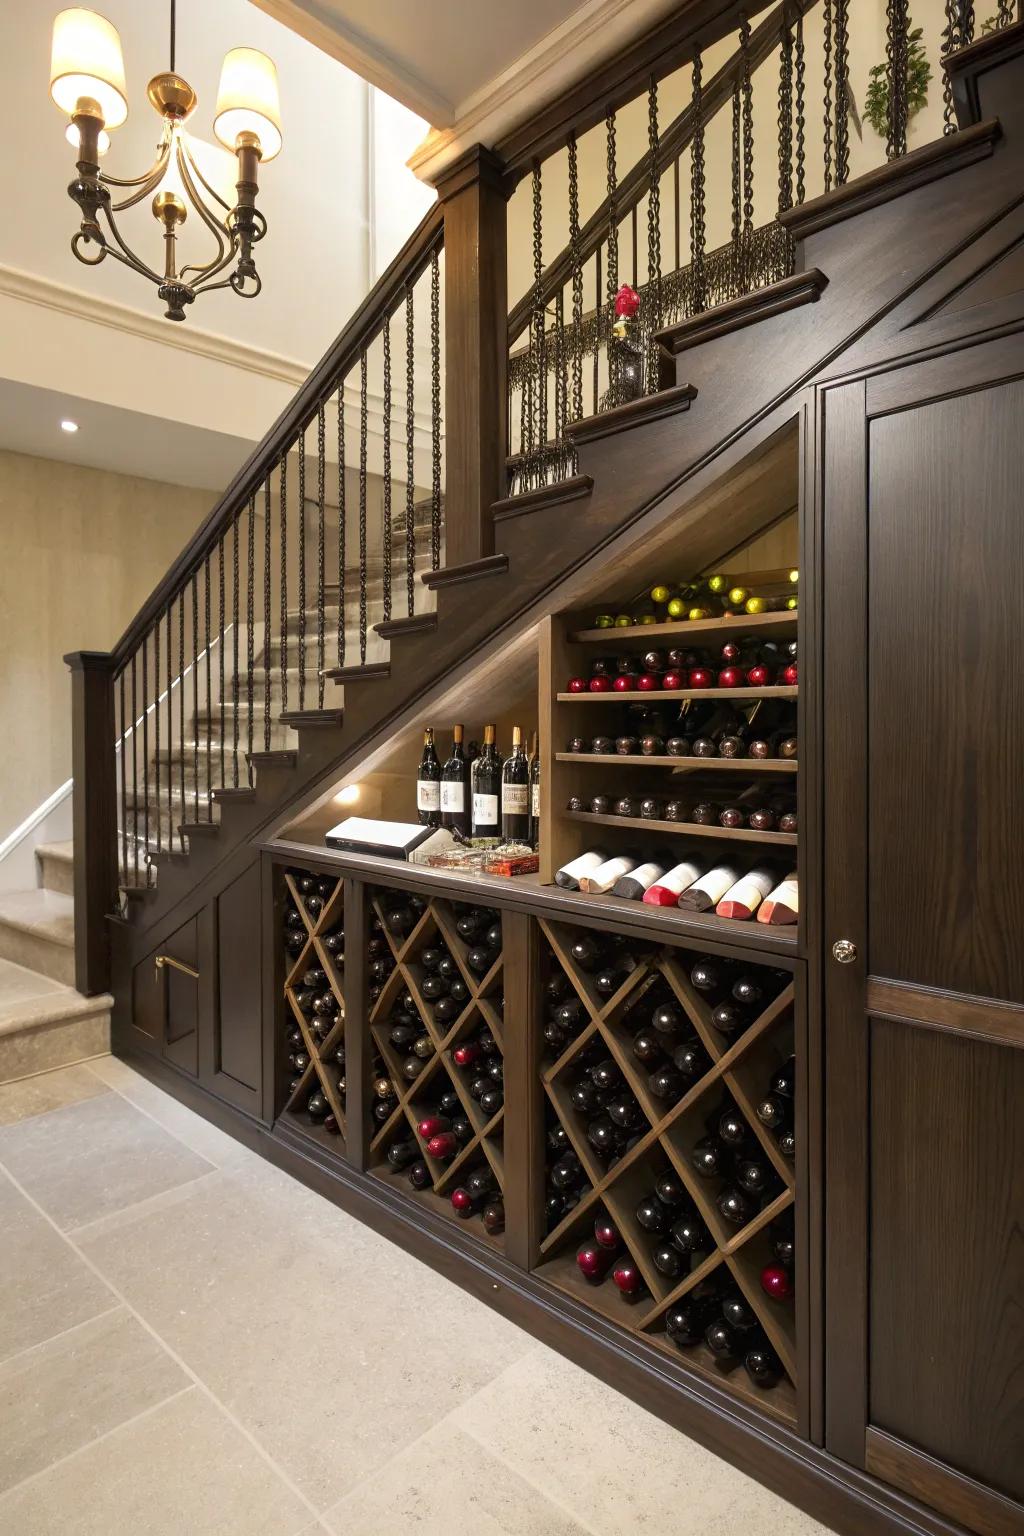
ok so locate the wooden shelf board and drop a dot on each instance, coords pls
(782, 625)
(687, 828)
(438, 1204)
(686, 764)
(641, 696)
(314, 1131)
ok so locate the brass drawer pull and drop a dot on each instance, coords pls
(179, 965)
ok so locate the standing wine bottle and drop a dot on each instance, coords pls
(454, 812)
(515, 793)
(485, 776)
(534, 793)
(428, 784)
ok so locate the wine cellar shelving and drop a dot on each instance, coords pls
(313, 1038)
(436, 1024)
(665, 1190)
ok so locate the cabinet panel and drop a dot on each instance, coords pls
(236, 1027)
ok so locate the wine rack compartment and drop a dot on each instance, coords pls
(312, 1038)
(436, 1020)
(669, 1082)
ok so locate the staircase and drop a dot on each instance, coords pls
(44, 1022)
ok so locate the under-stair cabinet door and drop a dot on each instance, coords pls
(923, 537)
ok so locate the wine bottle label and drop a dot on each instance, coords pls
(746, 895)
(428, 795)
(453, 795)
(782, 905)
(584, 864)
(515, 799)
(712, 886)
(632, 886)
(604, 877)
(535, 800)
(485, 810)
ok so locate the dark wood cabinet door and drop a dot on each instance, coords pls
(923, 537)
(231, 1040)
(166, 999)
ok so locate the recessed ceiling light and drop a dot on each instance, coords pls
(347, 796)
(69, 426)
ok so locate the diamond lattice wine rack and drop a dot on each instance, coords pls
(669, 1080)
(312, 1044)
(436, 1004)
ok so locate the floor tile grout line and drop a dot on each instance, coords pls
(79, 1450)
(89, 1227)
(551, 1498)
(219, 1167)
(72, 1328)
(196, 1379)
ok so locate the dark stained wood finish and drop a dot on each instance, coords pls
(358, 1126)
(974, 1506)
(472, 570)
(947, 1254)
(418, 624)
(945, 517)
(968, 68)
(524, 1110)
(999, 1022)
(929, 163)
(235, 1047)
(473, 194)
(558, 494)
(802, 288)
(94, 814)
(667, 402)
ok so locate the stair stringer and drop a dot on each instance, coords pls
(748, 383)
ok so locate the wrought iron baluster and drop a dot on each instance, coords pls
(737, 182)
(842, 92)
(435, 411)
(678, 220)
(362, 507)
(302, 568)
(207, 639)
(267, 637)
(145, 754)
(786, 119)
(386, 536)
(195, 688)
(410, 451)
(950, 42)
(800, 71)
(538, 361)
(698, 225)
(170, 731)
(653, 236)
(896, 29)
(235, 690)
(747, 94)
(135, 768)
(577, 280)
(181, 710)
(321, 498)
(599, 314)
(124, 781)
(635, 241)
(612, 278)
(341, 523)
(220, 656)
(827, 23)
(250, 639)
(283, 524)
(562, 448)
(156, 736)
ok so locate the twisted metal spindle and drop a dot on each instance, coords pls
(342, 512)
(207, 646)
(302, 567)
(283, 535)
(410, 453)
(220, 654)
(267, 638)
(653, 235)
(195, 691)
(785, 120)
(828, 26)
(435, 412)
(156, 739)
(235, 686)
(181, 708)
(135, 769)
(362, 506)
(698, 226)
(577, 280)
(124, 780)
(386, 535)
(250, 640)
(842, 92)
(538, 359)
(896, 31)
(321, 511)
(800, 72)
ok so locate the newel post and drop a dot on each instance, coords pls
(474, 192)
(94, 813)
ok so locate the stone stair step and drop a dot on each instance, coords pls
(37, 931)
(56, 865)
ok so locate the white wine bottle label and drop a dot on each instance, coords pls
(515, 799)
(710, 888)
(604, 877)
(428, 795)
(633, 886)
(667, 889)
(568, 877)
(485, 810)
(535, 800)
(743, 898)
(453, 795)
(782, 905)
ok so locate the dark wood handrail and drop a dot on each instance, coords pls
(384, 297)
(672, 143)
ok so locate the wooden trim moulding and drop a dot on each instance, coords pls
(921, 166)
(964, 1500)
(801, 288)
(560, 492)
(635, 413)
(964, 68)
(470, 570)
(988, 1018)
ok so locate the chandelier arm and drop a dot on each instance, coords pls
(129, 257)
(145, 188)
(225, 244)
(159, 164)
(201, 178)
(234, 283)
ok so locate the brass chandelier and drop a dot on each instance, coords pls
(87, 82)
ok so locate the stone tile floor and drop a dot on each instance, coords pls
(192, 1344)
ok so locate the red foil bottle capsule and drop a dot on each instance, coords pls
(776, 1282)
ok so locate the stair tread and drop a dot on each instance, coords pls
(575, 488)
(635, 413)
(29, 1000)
(420, 623)
(64, 852)
(43, 914)
(773, 299)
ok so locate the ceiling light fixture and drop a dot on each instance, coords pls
(67, 425)
(87, 82)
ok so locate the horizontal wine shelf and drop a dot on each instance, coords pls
(772, 626)
(648, 696)
(686, 764)
(687, 828)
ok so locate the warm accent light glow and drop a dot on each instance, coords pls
(248, 101)
(74, 138)
(69, 426)
(86, 62)
(347, 796)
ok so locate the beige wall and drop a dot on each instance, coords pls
(80, 549)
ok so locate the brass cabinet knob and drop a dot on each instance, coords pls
(844, 951)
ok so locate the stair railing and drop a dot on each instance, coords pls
(693, 221)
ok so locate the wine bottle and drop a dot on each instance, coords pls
(486, 782)
(534, 838)
(428, 784)
(781, 905)
(743, 898)
(668, 890)
(639, 880)
(604, 877)
(710, 888)
(569, 876)
(454, 812)
(515, 793)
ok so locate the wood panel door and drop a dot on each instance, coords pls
(923, 593)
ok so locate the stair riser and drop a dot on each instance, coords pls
(56, 874)
(59, 1043)
(37, 953)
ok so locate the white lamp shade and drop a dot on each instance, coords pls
(86, 61)
(248, 101)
